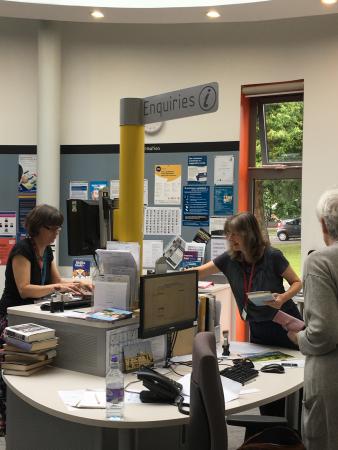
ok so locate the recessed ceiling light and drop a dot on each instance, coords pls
(97, 14)
(213, 14)
(329, 2)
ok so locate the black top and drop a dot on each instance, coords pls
(267, 277)
(11, 296)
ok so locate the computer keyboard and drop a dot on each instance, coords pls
(242, 373)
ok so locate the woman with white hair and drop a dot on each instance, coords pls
(318, 341)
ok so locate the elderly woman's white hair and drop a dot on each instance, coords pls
(327, 210)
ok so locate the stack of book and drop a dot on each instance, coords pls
(29, 347)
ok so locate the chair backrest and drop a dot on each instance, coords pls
(207, 426)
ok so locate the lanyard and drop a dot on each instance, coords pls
(42, 262)
(247, 285)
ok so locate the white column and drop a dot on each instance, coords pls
(48, 120)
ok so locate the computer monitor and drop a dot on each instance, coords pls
(83, 226)
(168, 302)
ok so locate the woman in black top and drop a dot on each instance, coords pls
(251, 264)
(31, 271)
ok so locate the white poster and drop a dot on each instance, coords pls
(167, 184)
(152, 250)
(224, 170)
(78, 190)
(162, 221)
(7, 223)
(218, 246)
(216, 225)
(115, 190)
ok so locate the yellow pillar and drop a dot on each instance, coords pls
(130, 214)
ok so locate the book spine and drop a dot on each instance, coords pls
(18, 343)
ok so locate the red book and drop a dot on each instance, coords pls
(289, 323)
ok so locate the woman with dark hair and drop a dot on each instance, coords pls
(31, 271)
(251, 264)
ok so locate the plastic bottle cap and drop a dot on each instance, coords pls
(114, 358)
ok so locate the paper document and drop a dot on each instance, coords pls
(231, 389)
(84, 398)
(110, 294)
(259, 298)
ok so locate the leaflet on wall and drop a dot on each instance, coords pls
(160, 221)
(95, 187)
(27, 173)
(197, 169)
(7, 223)
(216, 226)
(224, 169)
(202, 236)
(174, 252)
(223, 200)
(190, 259)
(78, 190)
(196, 202)
(197, 247)
(218, 246)
(6, 245)
(167, 184)
(26, 204)
(114, 191)
(152, 250)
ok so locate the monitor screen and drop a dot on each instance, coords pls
(168, 302)
(83, 227)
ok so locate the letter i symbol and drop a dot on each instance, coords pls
(205, 103)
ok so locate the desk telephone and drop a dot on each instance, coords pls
(161, 388)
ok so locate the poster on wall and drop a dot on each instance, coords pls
(224, 170)
(95, 187)
(218, 246)
(216, 227)
(162, 221)
(78, 190)
(223, 200)
(196, 203)
(26, 204)
(114, 190)
(197, 169)
(27, 173)
(7, 223)
(6, 245)
(167, 184)
(152, 250)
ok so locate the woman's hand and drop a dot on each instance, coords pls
(74, 288)
(277, 302)
(293, 336)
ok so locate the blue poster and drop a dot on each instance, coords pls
(95, 187)
(196, 203)
(223, 200)
(197, 169)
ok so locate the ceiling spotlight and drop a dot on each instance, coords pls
(213, 14)
(97, 14)
(329, 2)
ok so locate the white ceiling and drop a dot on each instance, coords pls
(244, 11)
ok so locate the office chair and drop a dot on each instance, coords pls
(207, 426)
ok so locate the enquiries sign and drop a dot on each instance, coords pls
(188, 102)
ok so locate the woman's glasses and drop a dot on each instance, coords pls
(54, 229)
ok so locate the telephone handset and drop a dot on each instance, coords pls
(161, 388)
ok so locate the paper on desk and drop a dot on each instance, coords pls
(247, 347)
(84, 398)
(231, 388)
(110, 294)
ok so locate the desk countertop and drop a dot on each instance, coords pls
(52, 379)
(34, 311)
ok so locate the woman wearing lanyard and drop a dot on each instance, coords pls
(31, 271)
(250, 264)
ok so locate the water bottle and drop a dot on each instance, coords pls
(114, 391)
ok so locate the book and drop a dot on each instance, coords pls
(109, 315)
(265, 356)
(31, 346)
(21, 373)
(23, 366)
(10, 356)
(289, 323)
(259, 298)
(29, 332)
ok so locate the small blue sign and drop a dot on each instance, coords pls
(223, 200)
(196, 206)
